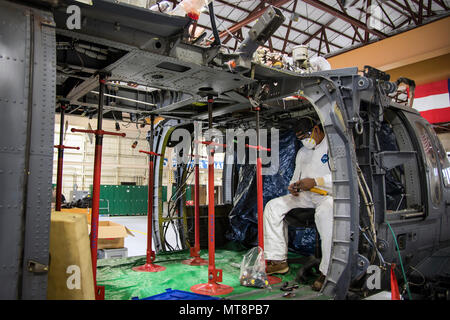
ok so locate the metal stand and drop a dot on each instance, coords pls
(61, 148)
(259, 194)
(214, 275)
(149, 266)
(99, 133)
(195, 251)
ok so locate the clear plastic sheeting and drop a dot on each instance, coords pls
(243, 216)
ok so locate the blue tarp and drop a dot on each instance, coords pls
(243, 216)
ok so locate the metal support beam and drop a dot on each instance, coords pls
(325, 39)
(414, 15)
(252, 17)
(354, 28)
(385, 13)
(329, 9)
(403, 10)
(287, 10)
(319, 31)
(288, 29)
(368, 14)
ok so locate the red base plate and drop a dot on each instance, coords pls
(149, 267)
(273, 279)
(100, 293)
(211, 289)
(196, 261)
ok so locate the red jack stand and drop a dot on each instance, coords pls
(214, 275)
(99, 133)
(195, 251)
(259, 192)
(61, 148)
(149, 266)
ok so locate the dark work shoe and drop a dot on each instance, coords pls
(317, 285)
(277, 266)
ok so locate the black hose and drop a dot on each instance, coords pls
(213, 25)
(200, 38)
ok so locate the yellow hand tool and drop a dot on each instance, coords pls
(319, 191)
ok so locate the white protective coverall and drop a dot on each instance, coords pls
(309, 163)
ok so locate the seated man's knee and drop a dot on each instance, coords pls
(268, 209)
(328, 202)
(272, 209)
(324, 210)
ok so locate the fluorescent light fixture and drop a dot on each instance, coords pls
(88, 2)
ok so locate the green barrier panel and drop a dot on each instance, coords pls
(118, 200)
(189, 192)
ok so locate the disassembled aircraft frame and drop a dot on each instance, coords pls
(139, 49)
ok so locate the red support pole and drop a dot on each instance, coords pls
(211, 214)
(58, 201)
(99, 133)
(60, 162)
(99, 291)
(149, 266)
(195, 251)
(66, 147)
(59, 174)
(214, 275)
(259, 194)
(197, 208)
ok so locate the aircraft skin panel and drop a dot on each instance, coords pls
(169, 73)
(27, 100)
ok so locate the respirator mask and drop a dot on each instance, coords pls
(309, 142)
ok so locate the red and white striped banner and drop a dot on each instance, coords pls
(432, 100)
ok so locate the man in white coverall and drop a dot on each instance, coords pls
(311, 170)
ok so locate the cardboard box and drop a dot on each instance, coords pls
(84, 211)
(111, 235)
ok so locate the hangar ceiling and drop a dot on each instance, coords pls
(327, 27)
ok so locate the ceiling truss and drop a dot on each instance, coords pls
(332, 25)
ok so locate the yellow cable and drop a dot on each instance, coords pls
(139, 232)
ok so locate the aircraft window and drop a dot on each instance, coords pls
(431, 161)
(445, 163)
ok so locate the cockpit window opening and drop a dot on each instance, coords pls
(402, 182)
(430, 151)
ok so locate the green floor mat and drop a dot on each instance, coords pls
(122, 283)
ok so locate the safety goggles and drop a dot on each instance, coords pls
(304, 134)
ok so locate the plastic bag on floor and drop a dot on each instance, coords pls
(253, 269)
